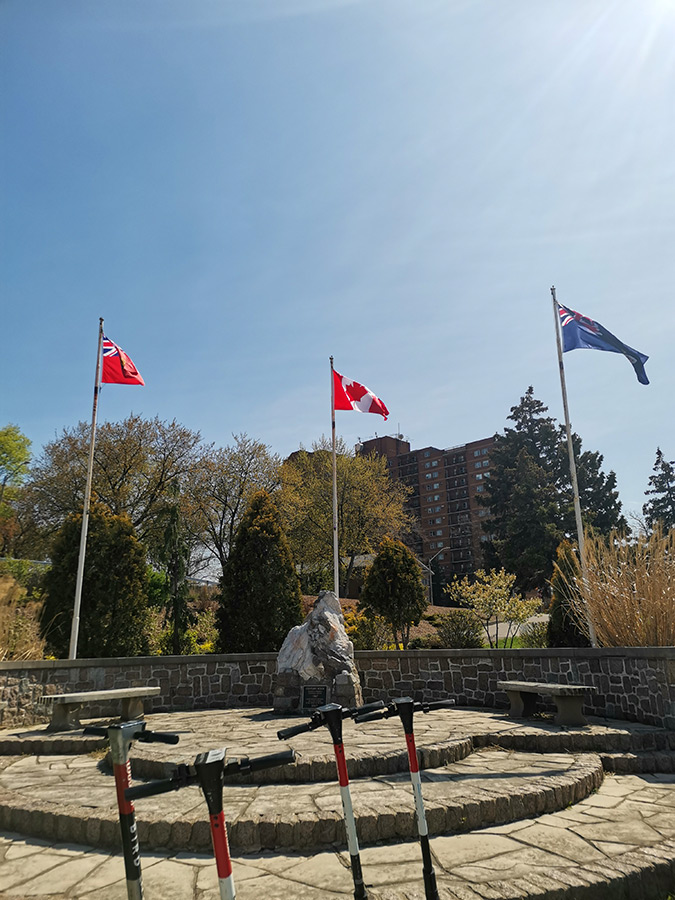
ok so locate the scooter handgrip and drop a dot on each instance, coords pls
(95, 730)
(151, 788)
(362, 710)
(158, 737)
(371, 717)
(439, 704)
(286, 733)
(271, 760)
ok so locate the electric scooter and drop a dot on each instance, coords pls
(331, 716)
(209, 771)
(120, 737)
(404, 707)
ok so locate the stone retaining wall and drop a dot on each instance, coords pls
(635, 684)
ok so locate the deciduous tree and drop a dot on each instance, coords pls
(135, 463)
(371, 506)
(14, 460)
(220, 485)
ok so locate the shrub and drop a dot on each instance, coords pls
(368, 632)
(459, 629)
(534, 634)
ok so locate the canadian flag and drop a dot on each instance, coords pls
(352, 395)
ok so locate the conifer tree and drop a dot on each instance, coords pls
(530, 497)
(563, 626)
(260, 590)
(113, 614)
(661, 491)
(393, 589)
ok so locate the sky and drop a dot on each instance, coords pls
(243, 189)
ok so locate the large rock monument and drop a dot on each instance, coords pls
(316, 661)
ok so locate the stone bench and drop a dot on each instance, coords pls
(568, 699)
(65, 710)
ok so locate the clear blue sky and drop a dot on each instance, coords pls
(242, 188)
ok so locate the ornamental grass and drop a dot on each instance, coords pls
(629, 590)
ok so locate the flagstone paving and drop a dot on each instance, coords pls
(612, 838)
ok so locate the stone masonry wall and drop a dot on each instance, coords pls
(637, 684)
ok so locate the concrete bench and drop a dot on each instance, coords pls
(568, 699)
(65, 710)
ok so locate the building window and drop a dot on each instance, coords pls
(479, 489)
(477, 465)
(434, 463)
(476, 452)
(486, 463)
(428, 475)
(484, 451)
(427, 453)
(437, 497)
(479, 477)
(482, 512)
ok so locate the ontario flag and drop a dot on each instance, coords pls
(352, 395)
(580, 332)
(117, 366)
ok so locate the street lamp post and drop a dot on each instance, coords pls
(431, 576)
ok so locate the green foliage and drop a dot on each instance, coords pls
(393, 589)
(113, 616)
(534, 634)
(563, 625)
(14, 460)
(459, 628)
(530, 493)
(368, 632)
(660, 508)
(260, 591)
(371, 506)
(492, 597)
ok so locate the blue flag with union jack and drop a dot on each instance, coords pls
(580, 332)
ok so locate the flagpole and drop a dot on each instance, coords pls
(75, 627)
(573, 465)
(336, 558)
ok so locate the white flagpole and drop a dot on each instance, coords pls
(573, 466)
(75, 627)
(336, 558)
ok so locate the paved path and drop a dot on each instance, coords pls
(622, 821)
(618, 841)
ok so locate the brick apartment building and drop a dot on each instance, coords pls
(445, 486)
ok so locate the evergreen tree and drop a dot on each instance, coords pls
(174, 557)
(393, 589)
(113, 613)
(563, 627)
(661, 505)
(260, 590)
(530, 494)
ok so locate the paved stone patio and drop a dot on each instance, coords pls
(583, 835)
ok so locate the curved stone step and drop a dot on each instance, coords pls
(489, 787)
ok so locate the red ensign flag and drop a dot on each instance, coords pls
(352, 395)
(117, 366)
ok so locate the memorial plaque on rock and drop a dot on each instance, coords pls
(314, 695)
